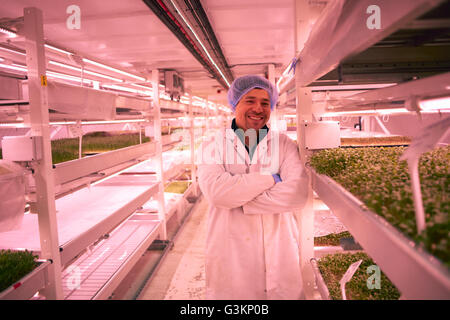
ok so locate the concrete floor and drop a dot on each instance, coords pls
(182, 275)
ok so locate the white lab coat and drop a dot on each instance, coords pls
(252, 240)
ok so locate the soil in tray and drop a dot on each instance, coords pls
(14, 265)
(332, 239)
(381, 181)
(362, 286)
(177, 187)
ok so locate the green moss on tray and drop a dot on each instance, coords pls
(381, 181)
(333, 267)
(14, 265)
(332, 239)
(67, 149)
(177, 187)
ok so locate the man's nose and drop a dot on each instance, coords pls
(258, 107)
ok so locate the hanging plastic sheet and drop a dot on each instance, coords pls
(132, 103)
(81, 102)
(345, 28)
(12, 195)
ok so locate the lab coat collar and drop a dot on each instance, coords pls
(231, 135)
(260, 150)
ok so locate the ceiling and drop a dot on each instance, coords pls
(241, 37)
(250, 35)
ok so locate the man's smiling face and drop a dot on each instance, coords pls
(253, 110)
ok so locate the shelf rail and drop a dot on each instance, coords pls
(26, 287)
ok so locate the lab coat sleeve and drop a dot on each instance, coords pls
(227, 191)
(289, 194)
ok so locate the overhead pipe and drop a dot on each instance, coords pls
(200, 16)
(166, 17)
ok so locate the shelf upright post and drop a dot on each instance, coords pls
(305, 216)
(207, 116)
(158, 146)
(218, 117)
(274, 114)
(80, 139)
(203, 122)
(366, 127)
(192, 142)
(43, 170)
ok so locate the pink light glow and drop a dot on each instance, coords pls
(435, 104)
(9, 33)
(12, 51)
(114, 69)
(85, 71)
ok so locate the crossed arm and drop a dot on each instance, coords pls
(257, 193)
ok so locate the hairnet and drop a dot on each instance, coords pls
(244, 84)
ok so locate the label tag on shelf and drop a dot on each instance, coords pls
(44, 81)
(348, 276)
(423, 142)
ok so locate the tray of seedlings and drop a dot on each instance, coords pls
(22, 275)
(367, 283)
(369, 190)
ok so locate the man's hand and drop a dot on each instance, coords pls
(276, 177)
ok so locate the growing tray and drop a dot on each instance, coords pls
(26, 287)
(364, 284)
(416, 273)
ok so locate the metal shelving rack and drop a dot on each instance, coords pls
(124, 229)
(417, 274)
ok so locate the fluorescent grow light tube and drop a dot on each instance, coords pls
(13, 67)
(57, 49)
(435, 104)
(50, 74)
(12, 34)
(9, 33)
(198, 39)
(120, 88)
(85, 71)
(48, 46)
(393, 110)
(58, 75)
(114, 69)
(141, 86)
(12, 51)
(58, 123)
(351, 87)
(367, 111)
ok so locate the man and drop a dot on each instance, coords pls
(252, 240)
